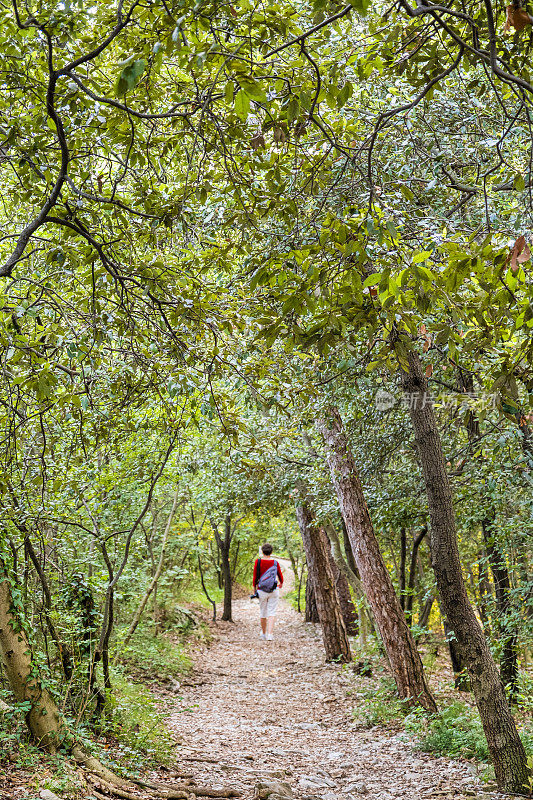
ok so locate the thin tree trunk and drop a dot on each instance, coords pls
(153, 583)
(64, 651)
(507, 751)
(224, 545)
(397, 639)
(417, 541)
(204, 587)
(403, 566)
(347, 578)
(425, 611)
(502, 588)
(318, 554)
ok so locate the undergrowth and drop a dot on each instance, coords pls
(155, 657)
(138, 727)
(455, 731)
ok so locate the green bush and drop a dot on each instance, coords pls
(138, 725)
(454, 731)
(150, 657)
(380, 705)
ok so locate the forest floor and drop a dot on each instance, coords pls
(253, 708)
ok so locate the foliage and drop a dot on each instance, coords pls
(138, 724)
(154, 657)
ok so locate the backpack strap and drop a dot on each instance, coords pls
(258, 571)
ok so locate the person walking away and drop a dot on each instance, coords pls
(266, 579)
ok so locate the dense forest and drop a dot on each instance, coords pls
(265, 275)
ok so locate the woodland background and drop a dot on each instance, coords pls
(266, 274)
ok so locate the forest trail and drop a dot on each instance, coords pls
(258, 708)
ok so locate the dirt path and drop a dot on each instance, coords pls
(276, 708)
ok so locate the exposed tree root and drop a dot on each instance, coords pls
(206, 791)
(111, 789)
(163, 789)
(186, 790)
(200, 758)
(93, 765)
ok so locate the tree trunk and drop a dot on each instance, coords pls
(403, 560)
(417, 541)
(349, 567)
(343, 581)
(507, 751)
(43, 718)
(502, 588)
(311, 611)
(348, 610)
(398, 641)
(350, 560)
(224, 546)
(318, 554)
(425, 611)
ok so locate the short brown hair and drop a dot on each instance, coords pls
(267, 549)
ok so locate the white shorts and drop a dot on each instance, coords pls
(268, 602)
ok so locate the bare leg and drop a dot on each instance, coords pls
(271, 623)
(263, 625)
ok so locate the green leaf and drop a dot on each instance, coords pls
(519, 183)
(293, 109)
(372, 280)
(242, 105)
(130, 76)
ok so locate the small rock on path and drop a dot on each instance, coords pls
(254, 708)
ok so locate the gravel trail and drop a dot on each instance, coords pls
(253, 708)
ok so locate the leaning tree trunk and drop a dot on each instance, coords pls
(506, 749)
(340, 568)
(397, 639)
(43, 718)
(311, 611)
(348, 567)
(348, 610)
(317, 552)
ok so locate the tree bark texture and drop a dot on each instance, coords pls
(398, 641)
(507, 751)
(417, 541)
(318, 555)
(43, 719)
(348, 610)
(311, 611)
(224, 546)
(502, 589)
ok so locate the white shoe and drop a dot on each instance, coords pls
(269, 637)
(263, 636)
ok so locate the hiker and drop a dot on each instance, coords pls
(267, 577)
